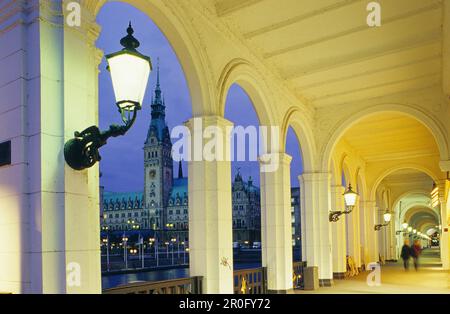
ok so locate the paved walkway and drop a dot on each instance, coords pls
(430, 278)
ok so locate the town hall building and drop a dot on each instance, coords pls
(163, 206)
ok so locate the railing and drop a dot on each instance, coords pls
(177, 286)
(245, 281)
(298, 275)
(250, 281)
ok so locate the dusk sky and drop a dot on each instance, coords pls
(122, 159)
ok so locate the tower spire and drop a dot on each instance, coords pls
(158, 123)
(157, 75)
(158, 100)
(180, 170)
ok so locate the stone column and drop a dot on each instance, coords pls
(14, 201)
(276, 222)
(316, 234)
(444, 189)
(338, 233)
(210, 214)
(383, 235)
(393, 239)
(354, 237)
(372, 235)
(52, 82)
(364, 230)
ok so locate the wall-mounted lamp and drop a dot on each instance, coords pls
(404, 229)
(129, 73)
(350, 200)
(387, 219)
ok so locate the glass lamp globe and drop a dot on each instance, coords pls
(387, 216)
(405, 225)
(410, 229)
(129, 73)
(350, 196)
(414, 231)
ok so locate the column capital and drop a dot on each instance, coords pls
(283, 158)
(314, 176)
(206, 121)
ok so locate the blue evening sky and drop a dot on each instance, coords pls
(122, 158)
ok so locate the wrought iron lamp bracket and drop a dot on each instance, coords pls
(378, 227)
(335, 215)
(81, 152)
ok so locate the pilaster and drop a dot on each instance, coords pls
(51, 91)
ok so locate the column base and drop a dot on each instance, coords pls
(338, 275)
(391, 261)
(288, 291)
(326, 282)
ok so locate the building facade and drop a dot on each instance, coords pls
(163, 204)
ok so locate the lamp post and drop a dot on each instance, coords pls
(173, 240)
(125, 252)
(184, 252)
(167, 249)
(151, 242)
(350, 200)
(106, 242)
(141, 250)
(129, 73)
(387, 219)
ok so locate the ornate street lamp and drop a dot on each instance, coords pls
(350, 200)
(404, 229)
(387, 219)
(129, 73)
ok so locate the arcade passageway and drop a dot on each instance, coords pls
(431, 278)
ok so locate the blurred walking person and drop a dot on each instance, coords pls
(406, 254)
(416, 250)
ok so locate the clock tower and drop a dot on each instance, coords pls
(158, 163)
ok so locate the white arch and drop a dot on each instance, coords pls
(437, 130)
(418, 207)
(395, 168)
(408, 193)
(242, 72)
(293, 118)
(185, 43)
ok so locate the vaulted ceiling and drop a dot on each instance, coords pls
(388, 136)
(413, 207)
(328, 55)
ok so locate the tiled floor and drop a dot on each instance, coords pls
(430, 278)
